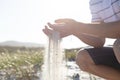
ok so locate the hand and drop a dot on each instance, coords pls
(64, 26)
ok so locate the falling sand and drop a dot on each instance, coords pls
(53, 59)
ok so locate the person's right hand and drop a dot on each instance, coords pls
(65, 27)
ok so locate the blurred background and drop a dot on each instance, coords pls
(22, 42)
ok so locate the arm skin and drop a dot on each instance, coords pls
(105, 30)
(109, 30)
(65, 30)
(91, 40)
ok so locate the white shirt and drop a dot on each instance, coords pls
(105, 10)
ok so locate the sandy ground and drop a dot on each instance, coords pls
(69, 69)
(72, 69)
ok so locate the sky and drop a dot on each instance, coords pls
(23, 20)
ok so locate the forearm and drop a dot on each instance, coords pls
(91, 40)
(109, 30)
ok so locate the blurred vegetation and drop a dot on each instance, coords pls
(23, 63)
(70, 54)
(19, 56)
(20, 62)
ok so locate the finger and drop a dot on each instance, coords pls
(61, 21)
(56, 27)
(46, 27)
(52, 26)
(66, 20)
(47, 31)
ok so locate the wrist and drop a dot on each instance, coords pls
(78, 28)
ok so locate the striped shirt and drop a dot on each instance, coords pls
(105, 10)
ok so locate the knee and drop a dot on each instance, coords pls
(83, 60)
(116, 48)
